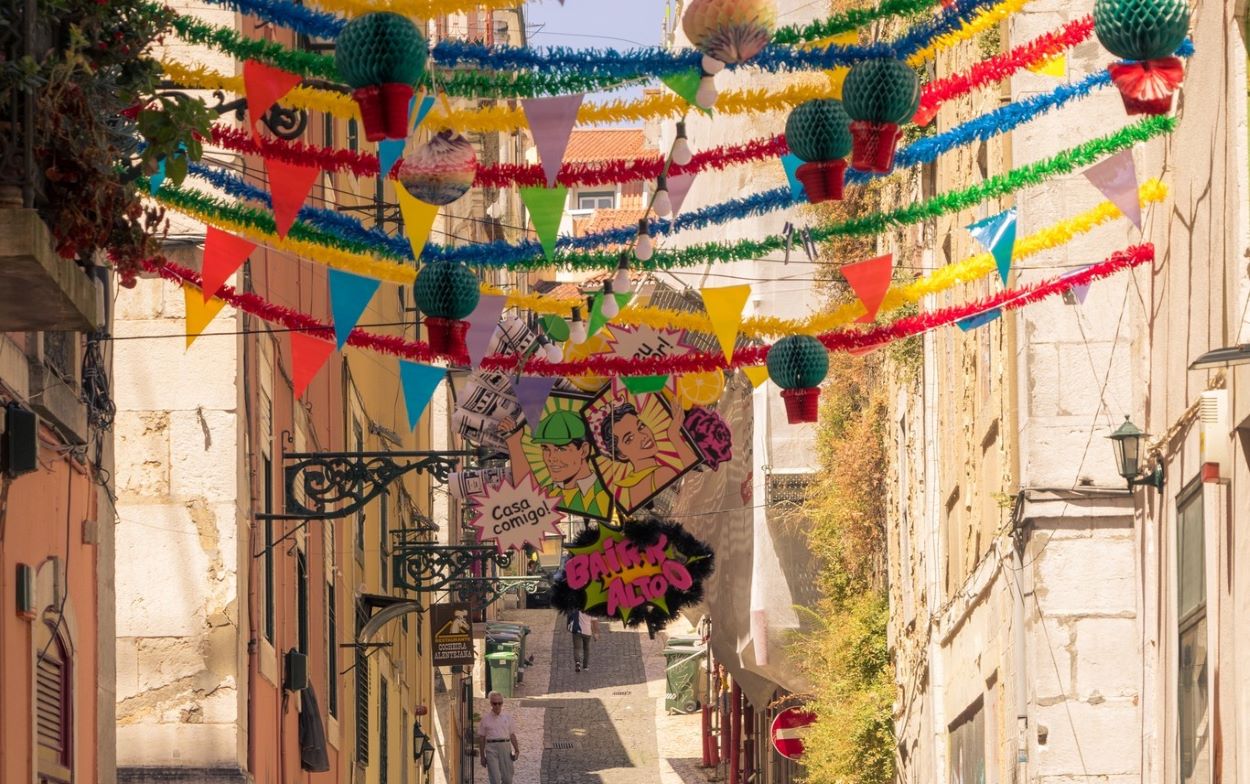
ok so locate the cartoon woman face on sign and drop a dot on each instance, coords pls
(643, 448)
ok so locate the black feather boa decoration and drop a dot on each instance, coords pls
(667, 568)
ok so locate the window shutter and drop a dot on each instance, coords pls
(50, 703)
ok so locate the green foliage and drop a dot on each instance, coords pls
(172, 126)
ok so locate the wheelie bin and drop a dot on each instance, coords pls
(680, 672)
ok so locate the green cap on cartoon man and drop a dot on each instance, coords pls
(560, 428)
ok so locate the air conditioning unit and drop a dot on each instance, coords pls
(295, 671)
(1214, 442)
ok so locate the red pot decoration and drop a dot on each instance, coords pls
(372, 111)
(397, 98)
(1147, 85)
(802, 405)
(873, 145)
(822, 180)
(446, 336)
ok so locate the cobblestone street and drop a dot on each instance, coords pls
(606, 724)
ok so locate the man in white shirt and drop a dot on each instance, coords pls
(495, 730)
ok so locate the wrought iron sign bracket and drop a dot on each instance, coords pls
(334, 485)
(484, 591)
(427, 568)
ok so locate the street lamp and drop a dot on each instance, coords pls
(1127, 438)
(422, 749)
(1222, 357)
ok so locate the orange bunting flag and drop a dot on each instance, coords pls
(265, 86)
(870, 281)
(308, 354)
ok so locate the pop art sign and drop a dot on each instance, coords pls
(514, 514)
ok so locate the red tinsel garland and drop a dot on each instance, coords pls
(999, 67)
(695, 362)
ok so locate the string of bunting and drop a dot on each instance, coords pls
(421, 9)
(694, 362)
(987, 18)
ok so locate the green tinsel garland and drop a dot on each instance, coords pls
(848, 21)
(943, 204)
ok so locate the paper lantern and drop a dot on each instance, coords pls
(381, 55)
(731, 31)
(446, 292)
(798, 364)
(818, 132)
(878, 95)
(1147, 34)
(441, 170)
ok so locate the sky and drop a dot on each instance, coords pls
(596, 24)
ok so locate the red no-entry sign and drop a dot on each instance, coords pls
(788, 730)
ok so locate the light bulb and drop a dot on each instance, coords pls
(621, 281)
(553, 351)
(707, 94)
(711, 65)
(610, 308)
(643, 249)
(577, 328)
(681, 147)
(662, 204)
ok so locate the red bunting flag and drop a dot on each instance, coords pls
(223, 254)
(288, 188)
(308, 355)
(265, 86)
(870, 280)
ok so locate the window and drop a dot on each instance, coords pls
(362, 697)
(967, 746)
(267, 584)
(54, 700)
(383, 741)
(383, 533)
(301, 601)
(353, 135)
(332, 651)
(605, 200)
(1191, 692)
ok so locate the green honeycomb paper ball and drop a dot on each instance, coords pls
(881, 91)
(446, 289)
(1141, 29)
(819, 130)
(798, 362)
(380, 48)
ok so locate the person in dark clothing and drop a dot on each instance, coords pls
(583, 628)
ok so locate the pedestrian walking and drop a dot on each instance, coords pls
(495, 729)
(583, 628)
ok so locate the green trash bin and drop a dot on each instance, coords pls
(680, 672)
(502, 667)
(521, 630)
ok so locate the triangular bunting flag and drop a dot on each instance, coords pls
(532, 393)
(724, 309)
(678, 187)
(1116, 177)
(556, 328)
(756, 374)
(420, 382)
(349, 296)
(418, 113)
(157, 178)
(1056, 66)
(389, 151)
(546, 208)
(1078, 292)
(979, 320)
(684, 83)
(998, 234)
(418, 219)
(551, 121)
(641, 385)
(597, 319)
(482, 323)
(289, 185)
(870, 280)
(791, 163)
(308, 354)
(265, 86)
(925, 114)
(223, 254)
(199, 313)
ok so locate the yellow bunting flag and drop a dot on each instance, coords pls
(199, 313)
(756, 374)
(724, 310)
(838, 75)
(1056, 66)
(418, 219)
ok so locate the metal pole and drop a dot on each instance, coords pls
(735, 735)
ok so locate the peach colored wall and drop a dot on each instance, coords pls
(41, 508)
